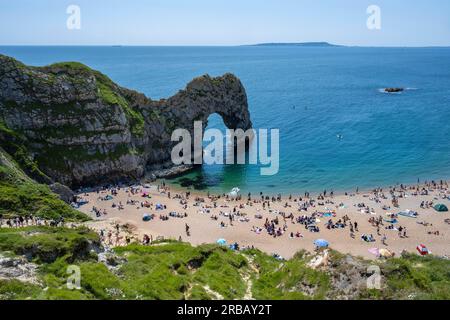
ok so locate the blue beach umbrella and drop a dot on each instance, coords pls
(321, 243)
(222, 242)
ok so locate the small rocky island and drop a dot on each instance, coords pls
(394, 90)
(73, 125)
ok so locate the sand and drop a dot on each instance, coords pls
(205, 230)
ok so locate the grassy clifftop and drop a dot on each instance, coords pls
(179, 271)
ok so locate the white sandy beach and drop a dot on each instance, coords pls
(204, 229)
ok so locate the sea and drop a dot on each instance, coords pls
(338, 130)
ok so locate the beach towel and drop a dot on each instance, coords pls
(385, 253)
(409, 214)
(146, 217)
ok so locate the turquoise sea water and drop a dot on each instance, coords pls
(311, 95)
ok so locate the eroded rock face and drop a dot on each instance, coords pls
(82, 128)
(18, 268)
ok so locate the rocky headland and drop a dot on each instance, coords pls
(68, 124)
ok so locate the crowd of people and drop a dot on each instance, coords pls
(293, 215)
(29, 220)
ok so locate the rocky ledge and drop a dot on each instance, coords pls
(75, 126)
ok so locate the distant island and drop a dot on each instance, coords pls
(297, 44)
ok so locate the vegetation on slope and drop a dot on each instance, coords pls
(108, 91)
(177, 270)
(14, 144)
(20, 195)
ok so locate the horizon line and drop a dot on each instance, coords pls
(262, 44)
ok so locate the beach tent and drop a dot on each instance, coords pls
(222, 242)
(441, 207)
(146, 217)
(234, 193)
(423, 250)
(321, 243)
(159, 206)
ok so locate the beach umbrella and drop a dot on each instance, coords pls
(146, 217)
(374, 251)
(441, 207)
(321, 243)
(222, 242)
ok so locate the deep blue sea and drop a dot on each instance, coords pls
(311, 95)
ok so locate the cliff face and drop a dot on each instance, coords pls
(79, 127)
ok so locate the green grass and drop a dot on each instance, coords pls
(109, 96)
(14, 144)
(221, 272)
(47, 244)
(34, 199)
(167, 271)
(418, 277)
(20, 195)
(177, 270)
(286, 280)
(17, 290)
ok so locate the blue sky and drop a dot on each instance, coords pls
(224, 22)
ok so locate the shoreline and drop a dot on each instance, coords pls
(337, 192)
